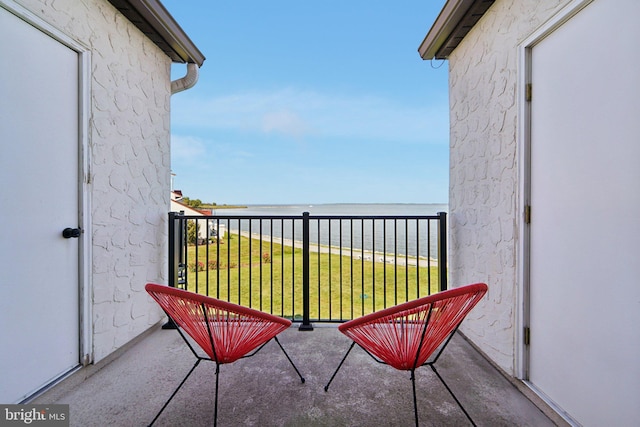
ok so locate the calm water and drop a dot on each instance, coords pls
(402, 236)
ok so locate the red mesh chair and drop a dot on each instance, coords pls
(226, 332)
(407, 335)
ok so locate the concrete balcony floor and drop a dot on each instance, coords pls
(264, 390)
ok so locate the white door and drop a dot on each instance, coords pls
(39, 275)
(585, 215)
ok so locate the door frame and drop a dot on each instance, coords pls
(83, 162)
(525, 48)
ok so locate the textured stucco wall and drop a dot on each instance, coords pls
(484, 171)
(129, 164)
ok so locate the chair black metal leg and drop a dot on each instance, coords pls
(215, 413)
(415, 400)
(453, 395)
(176, 390)
(339, 366)
(289, 359)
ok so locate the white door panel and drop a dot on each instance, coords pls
(585, 226)
(39, 281)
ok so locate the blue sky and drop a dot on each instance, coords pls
(311, 102)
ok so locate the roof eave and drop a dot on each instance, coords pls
(453, 23)
(151, 17)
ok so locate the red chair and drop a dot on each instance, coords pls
(226, 332)
(405, 336)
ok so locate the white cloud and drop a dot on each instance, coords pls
(285, 122)
(203, 153)
(187, 148)
(298, 114)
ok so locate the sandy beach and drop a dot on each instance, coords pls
(386, 258)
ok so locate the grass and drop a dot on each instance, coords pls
(268, 277)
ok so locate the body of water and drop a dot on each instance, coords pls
(377, 209)
(402, 236)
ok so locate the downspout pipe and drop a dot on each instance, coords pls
(188, 81)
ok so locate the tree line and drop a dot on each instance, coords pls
(196, 203)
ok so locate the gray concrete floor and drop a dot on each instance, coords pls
(264, 390)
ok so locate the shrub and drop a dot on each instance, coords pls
(192, 232)
(199, 266)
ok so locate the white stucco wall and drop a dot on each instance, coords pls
(129, 164)
(484, 172)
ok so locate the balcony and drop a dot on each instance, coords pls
(131, 386)
(322, 271)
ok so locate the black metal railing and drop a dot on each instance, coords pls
(309, 268)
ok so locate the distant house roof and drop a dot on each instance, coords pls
(177, 206)
(456, 19)
(159, 26)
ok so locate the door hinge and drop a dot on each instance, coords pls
(527, 335)
(527, 214)
(527, 92)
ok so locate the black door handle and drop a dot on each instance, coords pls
(68, 233)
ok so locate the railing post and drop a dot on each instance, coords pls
(174, 259)
(306, 323)
(442, 250)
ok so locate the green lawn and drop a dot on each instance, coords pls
(269, 278)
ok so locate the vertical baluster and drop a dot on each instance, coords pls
(206, 256)
(306, 324)
(217, 222)
(329, 272)
(340, 251)
(406, 259)
(429, 255)
(395, 261)
(228, 259)
(362, 265)
(239, 260)
(250, 255)
(351, 270)
(373, 264)
(318, 257)
(282, 270)
(418, 258)
(260, 259)
(195, 263)
(271, 263)
(293, 268)
(384, 265)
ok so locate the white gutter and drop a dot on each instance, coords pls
(186, 82)
(448, 19)
(455, 21)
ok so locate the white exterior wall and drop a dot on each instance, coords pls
(484, 172)
(129, 163)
